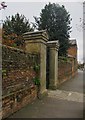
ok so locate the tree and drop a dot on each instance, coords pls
(14, 27)
(56, 20)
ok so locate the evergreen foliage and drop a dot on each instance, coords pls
(14, 27)
(56, 20)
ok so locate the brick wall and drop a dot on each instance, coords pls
(18, 88)
(64, 70)
(73, 51)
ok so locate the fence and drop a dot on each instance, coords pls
(18, 88)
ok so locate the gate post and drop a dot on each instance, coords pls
(35, 42)
(53, 64)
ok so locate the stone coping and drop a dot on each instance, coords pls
(18, 50)
(36, 35)
(35, 32)
(53, 44)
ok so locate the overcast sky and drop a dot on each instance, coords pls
(30, 9)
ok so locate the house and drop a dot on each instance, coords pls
(73, 48)
(72, 54)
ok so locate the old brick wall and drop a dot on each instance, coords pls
(18, 88)
(64, 70)
(73, 51)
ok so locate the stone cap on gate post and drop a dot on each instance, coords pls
(37, 36)
(53, 44)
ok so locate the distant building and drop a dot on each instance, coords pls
(72, 54)
(72, 51)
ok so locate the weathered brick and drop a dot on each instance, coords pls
(18, 88)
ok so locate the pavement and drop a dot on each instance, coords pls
(75, 84)
(66, 95)
(65, 102)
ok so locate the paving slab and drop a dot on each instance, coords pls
(75, 84)
(65, 102)
(51, 108)
(66, 95)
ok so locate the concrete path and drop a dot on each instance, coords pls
(75, 84)
(67, 102)
(51, 108)
(66, 95)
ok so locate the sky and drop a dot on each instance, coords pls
(33, 8)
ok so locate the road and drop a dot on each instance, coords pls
(66, 102)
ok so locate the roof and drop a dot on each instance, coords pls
(73, 42)
(70, 56)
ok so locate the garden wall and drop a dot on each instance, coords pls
(64, 70)
(18, 73)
